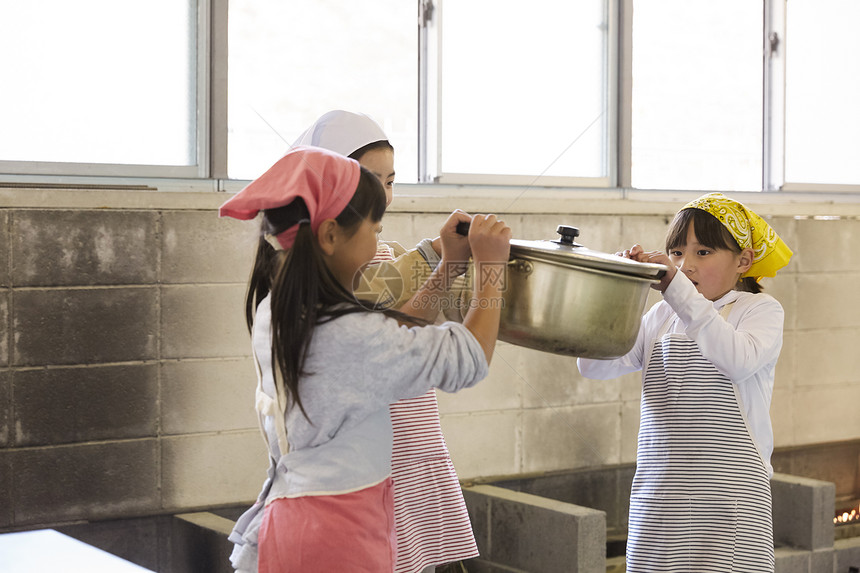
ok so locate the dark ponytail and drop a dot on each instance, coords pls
(304, 292)
(749, 284)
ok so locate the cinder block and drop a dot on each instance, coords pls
(631, 387)
(501, 390)
(596, 489)
(803, 510)
(534, 534)
(840, 348)
(816, 294)
(646, 230)
(4, 248)
(86, 481)
(630, 419)
(847, 554)
(61, 405)
(5, 407)
(815, 252)
(199, 543)
(4, 327)
(606, 489)
(408, 228)
(205, 470)
(786, 376)
(783, 288)
(789, 560)
(200, 247)
(836, 463)
(144, 541)
(816, 409)
(5, 489)
(65, 248)
(570, 437)
(204, 321)
(478, 505)
(484, 444)
(207, 396)
(84, 326)
(550, 380)
(823, 561)
(782, 419)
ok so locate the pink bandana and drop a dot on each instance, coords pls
(325, 181)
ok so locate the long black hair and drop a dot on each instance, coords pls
(710, 233)
(304, 292)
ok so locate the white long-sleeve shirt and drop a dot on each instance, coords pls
(744, 347)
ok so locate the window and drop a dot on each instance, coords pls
(702, 95)
(822, 91)
(99, 87)
(291, 62)
(524, 91)
(697, 95)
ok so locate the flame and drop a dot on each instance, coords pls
(848, 517)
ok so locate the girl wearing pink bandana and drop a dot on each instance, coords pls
(701, 493)
(430, 516)
(329, 365)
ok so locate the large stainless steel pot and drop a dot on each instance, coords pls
(564, 298)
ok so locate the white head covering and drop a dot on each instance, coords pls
(342, 132)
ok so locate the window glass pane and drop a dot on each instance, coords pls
(822, 99)
(524, 88)
(98, 81)
(290, 62)
(697, 94)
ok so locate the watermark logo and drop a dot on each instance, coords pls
(380, 285)
(386, 285)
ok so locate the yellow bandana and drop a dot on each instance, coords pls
(770, 253)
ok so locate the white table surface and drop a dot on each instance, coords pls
(48, 551)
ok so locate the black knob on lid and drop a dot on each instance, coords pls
(568, 234)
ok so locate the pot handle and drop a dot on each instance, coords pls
(463, 228)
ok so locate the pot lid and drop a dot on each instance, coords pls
(567, 252)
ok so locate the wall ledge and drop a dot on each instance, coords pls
(206, 196)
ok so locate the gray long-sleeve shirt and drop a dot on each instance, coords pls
(356, 366)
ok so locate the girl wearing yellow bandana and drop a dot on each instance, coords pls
(701, 494)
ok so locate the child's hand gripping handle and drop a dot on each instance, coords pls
(490, 240)
(637, 253)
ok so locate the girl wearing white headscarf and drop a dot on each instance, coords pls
(431, 520)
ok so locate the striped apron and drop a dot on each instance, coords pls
(431, 520)
(701, 497)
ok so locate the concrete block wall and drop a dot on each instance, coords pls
(836, 462)
(126, 384)
(526, 533)
(125, 378)
(802, 515)
(606, 489)
(803, 512)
